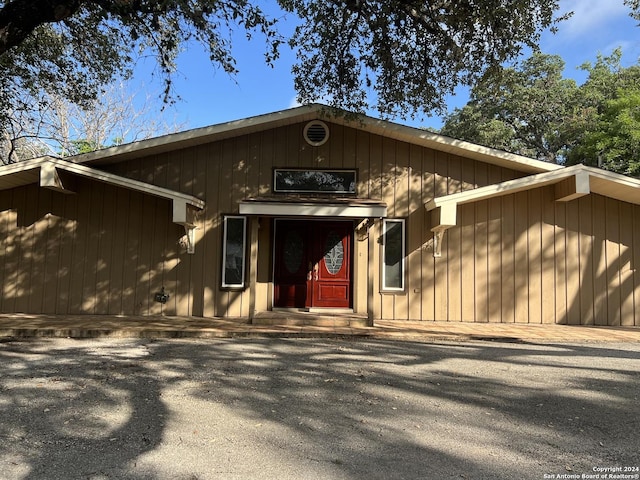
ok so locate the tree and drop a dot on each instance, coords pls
(401, 56)
(611, 138)
(529, 109)
(409, 55)
(58, 127)
(635, 8)
(615, 142)
(117, 116)
(18, 149)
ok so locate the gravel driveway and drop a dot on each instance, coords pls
(317, 409)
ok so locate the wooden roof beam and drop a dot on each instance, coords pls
(572, 187)
(49, 178)
(443, 217)
(185, 214)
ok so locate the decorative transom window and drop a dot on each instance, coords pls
(314, 181)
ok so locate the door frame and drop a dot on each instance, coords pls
(351, 260)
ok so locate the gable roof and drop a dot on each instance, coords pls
(569, 183)
(259, 123)
(45, 172)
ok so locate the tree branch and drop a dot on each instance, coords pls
(19, 18)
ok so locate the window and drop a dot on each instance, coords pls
(393, 253)
(314, 181)
(233, 251)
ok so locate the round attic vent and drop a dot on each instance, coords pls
(316, 133)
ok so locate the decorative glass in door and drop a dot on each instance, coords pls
(312, 264)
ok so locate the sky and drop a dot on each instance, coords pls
(209, 96)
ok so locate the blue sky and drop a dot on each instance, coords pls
(210, 96)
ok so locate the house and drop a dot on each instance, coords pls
(302, 210)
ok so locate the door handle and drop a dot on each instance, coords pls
(312, 273)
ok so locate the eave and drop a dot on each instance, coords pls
(308, 207)
(45, 171)
(387, 129)
(569, 184)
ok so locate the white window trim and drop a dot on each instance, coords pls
(385, 222)
(224, 251)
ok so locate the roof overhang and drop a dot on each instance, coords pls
(45, 171)
(338, 208)
(384, 128)
(569, 183)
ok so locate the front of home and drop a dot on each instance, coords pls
(306, 211)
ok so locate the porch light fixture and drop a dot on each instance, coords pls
(161, 296)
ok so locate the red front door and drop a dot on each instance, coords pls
(312, 265)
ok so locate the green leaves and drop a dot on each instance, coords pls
(77, 54)
(528, 109)
(613, 143)
(404, 57)
(635, 8)
(611, 139)
(401, 57)
(532, 110)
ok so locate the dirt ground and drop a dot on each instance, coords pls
(317, 409)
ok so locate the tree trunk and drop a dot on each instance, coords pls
(18, 18)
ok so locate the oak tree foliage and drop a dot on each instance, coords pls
(404, 57)
(532, 110)
(611, 138)
(529, 109)
(74, 49)
(400, 57)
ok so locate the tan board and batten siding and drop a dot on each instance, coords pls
(522, 257)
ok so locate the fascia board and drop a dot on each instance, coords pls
(128, 183)
(411, 135)
(303, 209)
(599, 181)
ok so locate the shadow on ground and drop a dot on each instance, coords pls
(305, 408)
